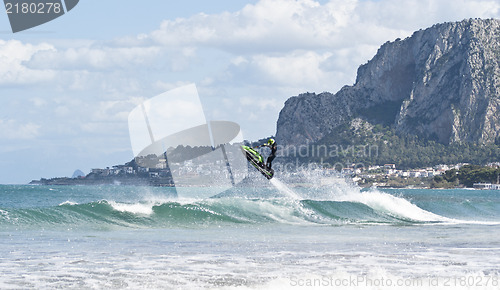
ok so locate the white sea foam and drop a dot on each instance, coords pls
(4, 214)
(379, 201)
(135, 208)
(398, 206)
(68, 203)
(279, 210)
(394, 206)
(148, 201)
(284, 189)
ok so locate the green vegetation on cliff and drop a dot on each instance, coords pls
(467, 175)
(366, 144)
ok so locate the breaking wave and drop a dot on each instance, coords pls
(307, 207)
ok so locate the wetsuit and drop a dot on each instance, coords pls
(271, 157)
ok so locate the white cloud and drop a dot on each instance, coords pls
(260, 103)
(164, 86)
(304, 44)
(300, 68)
(112, 111)
(292, 43)
(94, 58)
(38, 102)
(269, 25)
(283, 25)
(13, 55)
(415, 14)
(13, 130)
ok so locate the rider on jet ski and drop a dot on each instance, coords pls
(271, 144)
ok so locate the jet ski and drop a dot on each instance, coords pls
(257, 161)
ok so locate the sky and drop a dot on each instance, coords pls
(68, 86)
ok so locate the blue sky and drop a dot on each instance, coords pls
(66, 87)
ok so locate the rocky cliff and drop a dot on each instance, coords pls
(442, 83)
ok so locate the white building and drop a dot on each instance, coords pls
(486, 186)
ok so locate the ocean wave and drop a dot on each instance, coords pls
(362, 208)
(337, 204)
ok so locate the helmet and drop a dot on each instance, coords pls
(271, 141)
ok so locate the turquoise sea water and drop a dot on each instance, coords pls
(274, 237)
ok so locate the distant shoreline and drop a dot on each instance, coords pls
(457, 176)
(66, 181)
(137, 181)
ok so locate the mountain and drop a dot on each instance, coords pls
(78, 173)
(440, 84)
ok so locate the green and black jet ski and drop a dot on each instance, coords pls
(257, 161)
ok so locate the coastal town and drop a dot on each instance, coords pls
(156, 172)
(389, 175)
